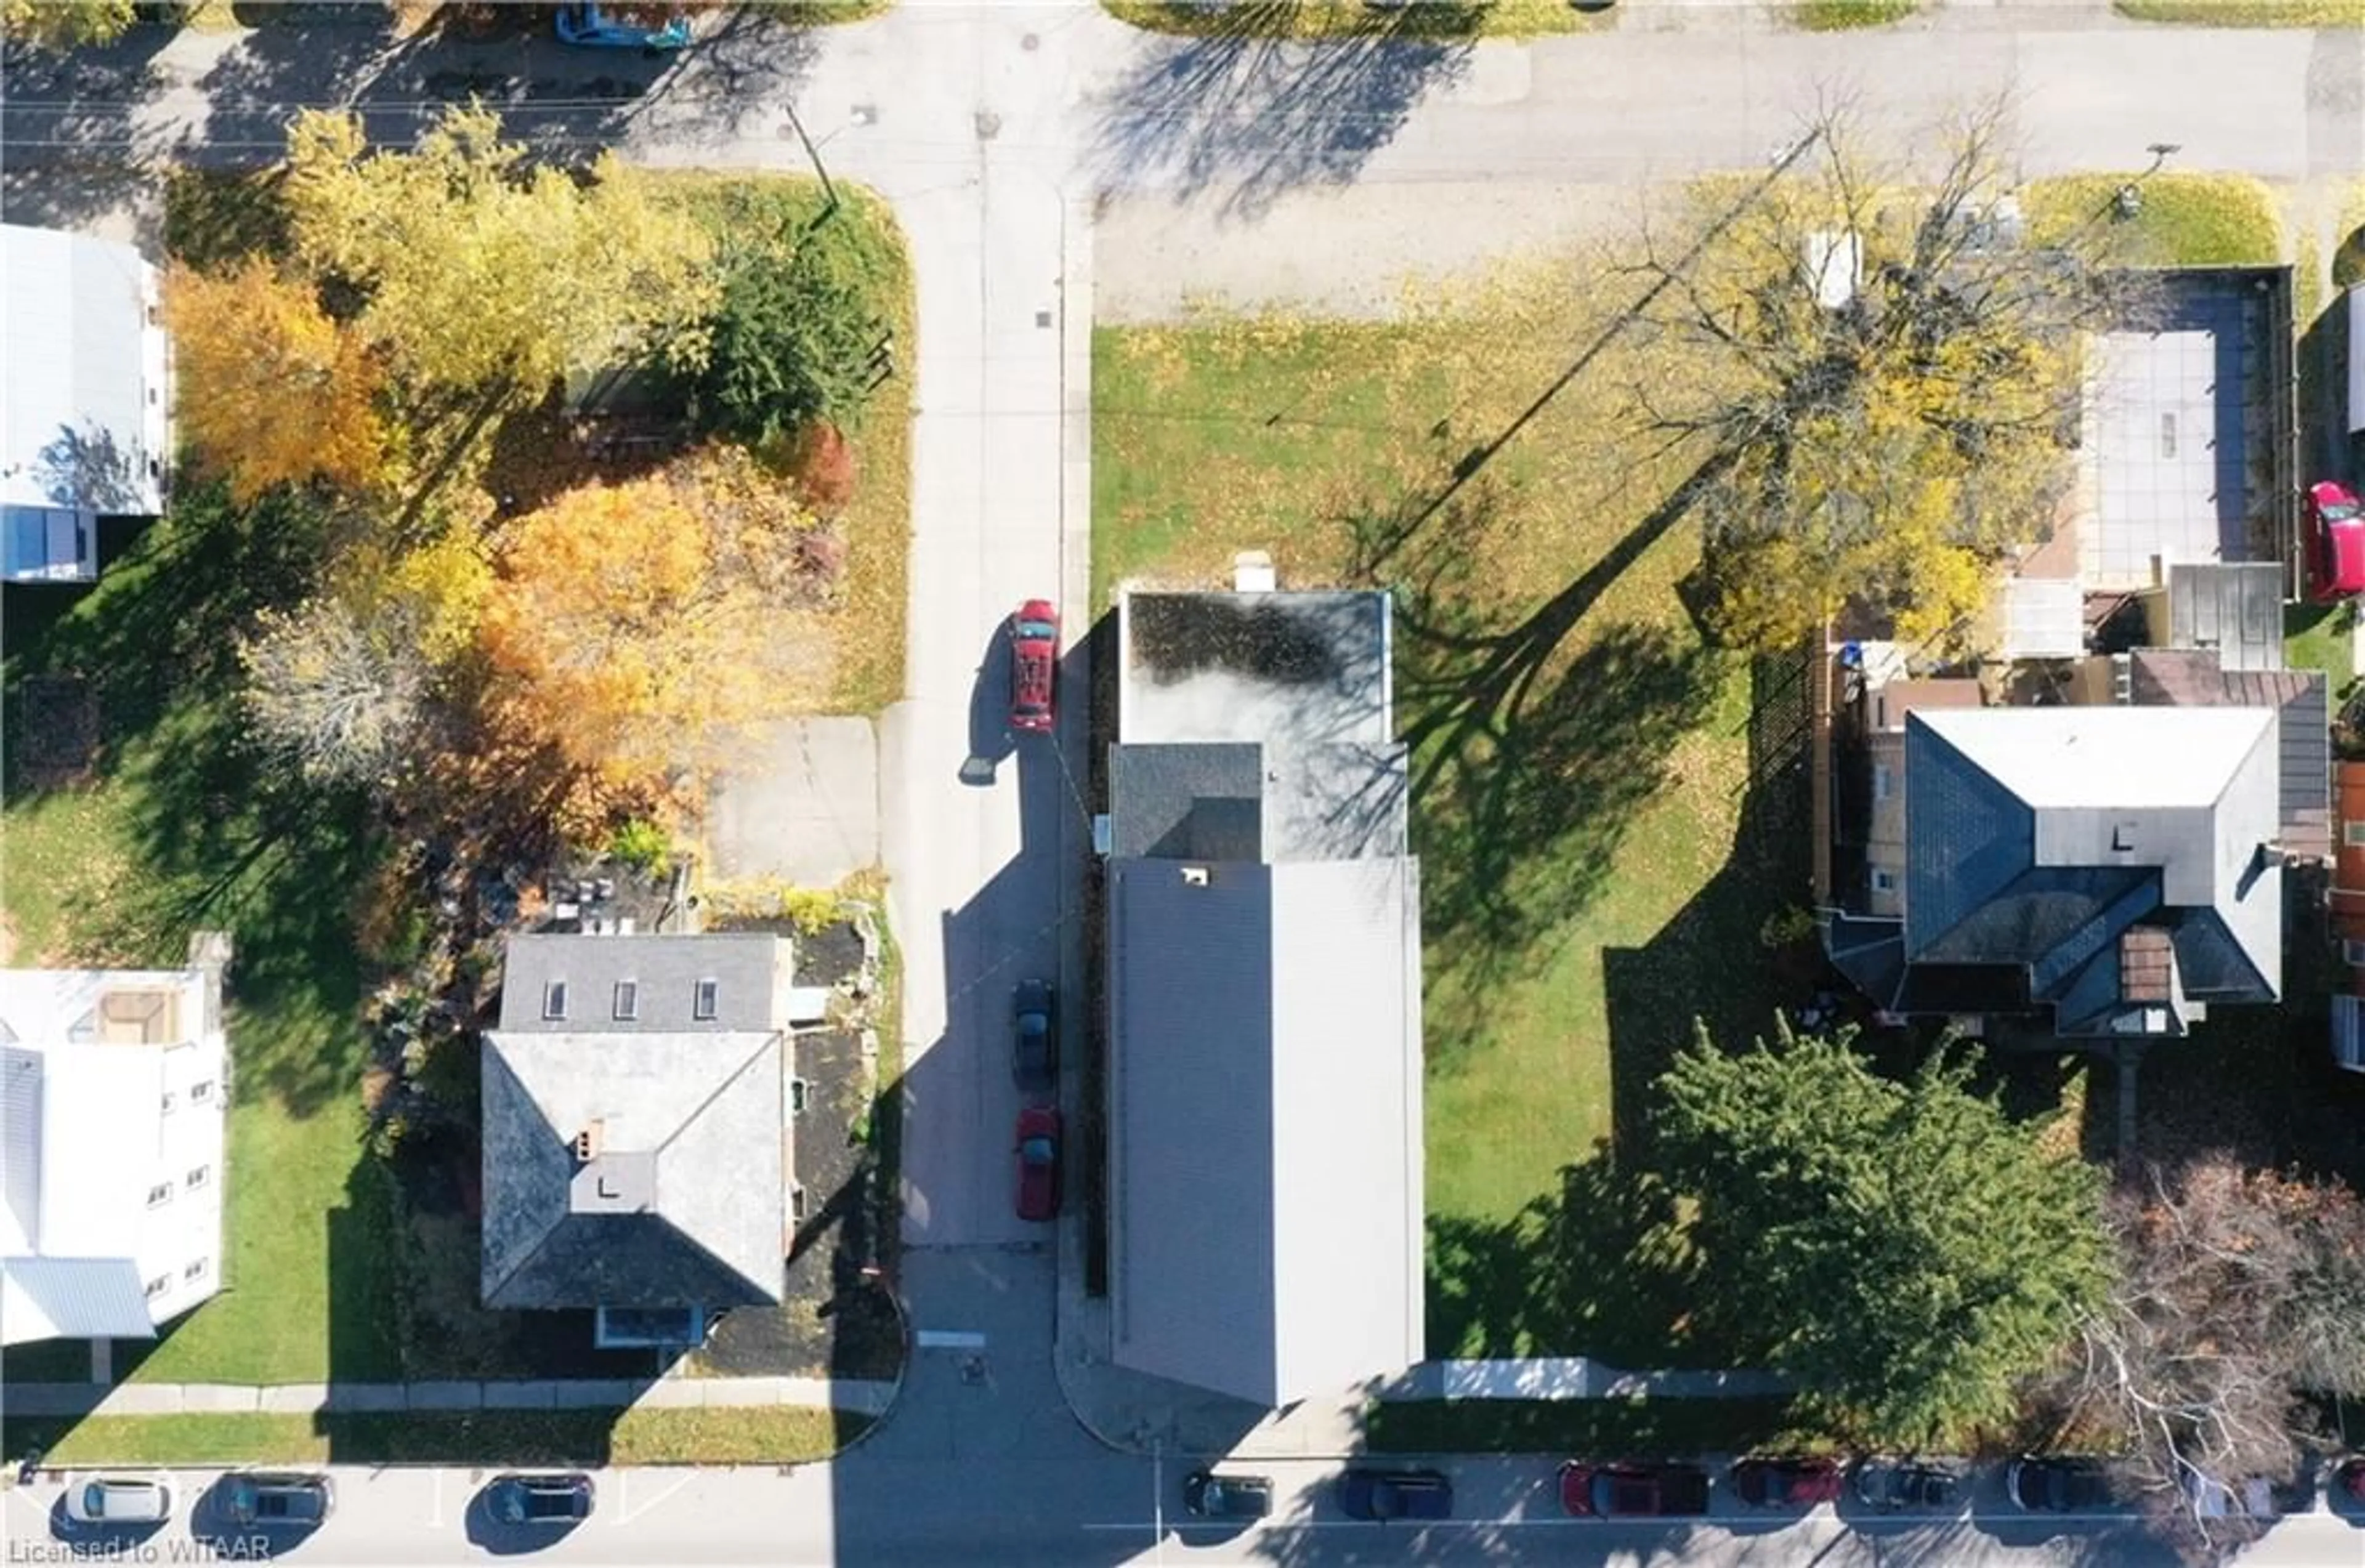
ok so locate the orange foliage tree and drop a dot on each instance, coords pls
(638, 624)
(272, 390)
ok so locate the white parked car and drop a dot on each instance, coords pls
(120, 1500)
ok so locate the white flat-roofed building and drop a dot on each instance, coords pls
(111, 1134)
(85, 397)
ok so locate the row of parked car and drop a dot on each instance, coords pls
(301, 1500)
(1672, 1489)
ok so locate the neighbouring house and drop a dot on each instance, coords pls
(1263, 997)
(2116, 869)
(636, 1127)
(112, 1084)
(85, 399)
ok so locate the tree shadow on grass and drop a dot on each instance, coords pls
(1712, 963)
(1249, 116)
(1598, 1268)
(212, 832)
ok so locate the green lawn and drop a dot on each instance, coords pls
(1580, 779)
(180, 826)
(1357, 19)
(2248, 13)
(2187, 220)
(1839, 16)
(753, 1435)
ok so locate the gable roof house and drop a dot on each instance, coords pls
(85, 399)
(111, 1095)
(635, 1130)
(1263, 952)
(2117, 867)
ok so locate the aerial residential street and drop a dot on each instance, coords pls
(1048, 166)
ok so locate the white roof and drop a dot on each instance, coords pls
(83, 368)
(110, 1092)
(2106, 758)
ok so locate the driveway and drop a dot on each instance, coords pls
(800, 802)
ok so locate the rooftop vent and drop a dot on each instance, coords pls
(1194, 876)
(588, 1142)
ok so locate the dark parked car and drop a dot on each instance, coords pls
(1620, 1490)
(2060, 1485)
(1395, 1494)
(1033, 665)
(1034, 1037)
(1906, 1483)
(1787, 1483)
(539, 1499)
(1228, 1496)
(276, 1497)
(2336, 544)
(1038, 1163)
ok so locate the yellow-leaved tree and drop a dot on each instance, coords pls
(61, 23)
(479, 271)
(272, 390)
(637, 625)
(1880, 374)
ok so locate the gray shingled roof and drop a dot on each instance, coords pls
(2036, 837)
(1265, 1124)
(684, 1203)
(750, 971)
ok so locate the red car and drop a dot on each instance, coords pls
(1038, 1163)
(1034, 664)
(1632, 1491)
(2336, 544)
(1787, 1483)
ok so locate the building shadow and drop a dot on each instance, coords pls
(1244, 117)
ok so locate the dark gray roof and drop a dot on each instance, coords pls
(750, 971)
(2035, 838)
(1265, 1124)
(682, 1202)
(1187, 801)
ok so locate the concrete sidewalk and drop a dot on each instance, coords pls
(869, 1398)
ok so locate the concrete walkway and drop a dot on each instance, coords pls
(869, 1398)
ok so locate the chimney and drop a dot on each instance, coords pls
(588, 1141)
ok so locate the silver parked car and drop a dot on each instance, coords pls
(136, 1498)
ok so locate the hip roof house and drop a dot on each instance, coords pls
(635, 1130)
(2118, 868)
(111, 1094)
(1263, 998)
(85, 399)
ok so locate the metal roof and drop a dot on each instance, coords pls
(1265, 1124)
(77, 1298)
(2236, 609)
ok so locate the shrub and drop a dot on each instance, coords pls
(791, 342)
(809, 909)
(822, 465)
(640, 844)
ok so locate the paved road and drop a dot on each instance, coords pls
(1019, 1509)
(1002, 133)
